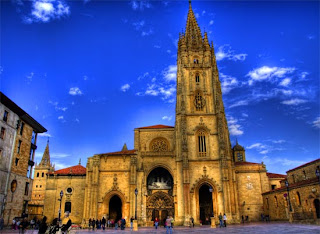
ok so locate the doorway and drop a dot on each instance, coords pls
(205, 204)
(115, 208)
(317, 207)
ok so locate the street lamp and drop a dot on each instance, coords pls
(136, 193)
(61, 195)
(287, 185)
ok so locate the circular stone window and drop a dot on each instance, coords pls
(13, 186)
(69, 190)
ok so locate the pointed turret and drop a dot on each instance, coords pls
(193, 33)
(45, 161)
(124, 148)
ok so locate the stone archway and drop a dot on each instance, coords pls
(205, 204)
(114, 201)
(115, 208)
(160, 205)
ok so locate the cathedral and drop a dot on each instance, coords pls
(187, 170)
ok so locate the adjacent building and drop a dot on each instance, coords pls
(17, 149)
(298, 197)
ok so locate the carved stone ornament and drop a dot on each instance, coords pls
(199, 101)
(115, 182)
(159, 145)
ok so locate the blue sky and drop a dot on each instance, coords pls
(92, 71)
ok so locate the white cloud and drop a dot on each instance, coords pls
(278, 141)
(170, 73)
(169, 51)
(244, 115)
(303, 75)
(56, 107)
(46, 10)
(75, 91)
(264, 152)
(227, 83)
(157, 46)
(44, 134)
(285, 82)
(239, 103)
(140, 5)
(58, 165)
(59, 155)
(234, 126)
(151, 90)
(267, 73)
(316, 123)
(211, 22)
(147, 33)
(203, 12)
(125, 87)
(225, 52)
(167, 92)
(197, 15)
(30, 76)
(61, 117)
(167, 118)
(138, 25)
(85, 77)
(257, 146)
(77, 120)
(294, 101)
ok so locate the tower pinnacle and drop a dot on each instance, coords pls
(45, 161)
(193, 32)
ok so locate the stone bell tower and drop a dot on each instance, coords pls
(203, 146)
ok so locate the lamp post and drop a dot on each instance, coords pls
(136, 193)
(287, 185)
(61, 195)
(318, 173)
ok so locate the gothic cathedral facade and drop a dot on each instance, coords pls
(189, 170)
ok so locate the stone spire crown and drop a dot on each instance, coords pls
(45, 161)
(193, 32)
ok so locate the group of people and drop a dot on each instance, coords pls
(222, 220)
(110, 223)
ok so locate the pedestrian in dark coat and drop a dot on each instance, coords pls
(43, 226)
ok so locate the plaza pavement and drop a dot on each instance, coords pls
(270, 228)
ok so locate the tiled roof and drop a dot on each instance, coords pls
(245, 163)
(303, 165)
(124, 152)
(75, 170)
(156, 126)
(274, 175)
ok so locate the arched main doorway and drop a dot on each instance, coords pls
(317, 207)
(205, 204)
(160, 202)
(115, 208)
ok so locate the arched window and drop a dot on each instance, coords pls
(42, 174)
(276, 201)
(267, 203)
(38, 174)
(199, 102)
(159, 144)
(298, 199)
(202, 144)
(196, 61)
(197, 78)
(67, 207)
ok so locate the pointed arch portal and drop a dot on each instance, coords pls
(205, 204)
(115, 208)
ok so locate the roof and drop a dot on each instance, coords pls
(75, 170)
(37, 127)
(274, 175)
(245, 163)
(303, 165)
(238, 147)
(124, 152)
(156, 127)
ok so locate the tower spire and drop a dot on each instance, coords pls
(45, 161)
(193, 32)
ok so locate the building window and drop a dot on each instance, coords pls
(16, 162)
(29, 171)
(267, 203)
(298, 199)
(38, 174)
(240, 157)
(202, 144)
(31, 154)
(276, 201)
(42, 174)
(273, 186)
(69, 190)
(40, 186)
(293, 179)
(36, 186)
(5, 116)
(3, 132)
(67, 207)
(34, 137)
(304, 174)
(159, 145)
(19, 146)
(197, 78)
(26, 189)
(21, 128)
(196, 61)
(199, 102)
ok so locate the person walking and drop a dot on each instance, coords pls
(23, 225)
(220, 220)
(131, 223)
(192, 222)
(156, 222)
(168, 225)
(93, 224)
(43, 226)
(225, 220)
(103, 222)
(123, 223)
